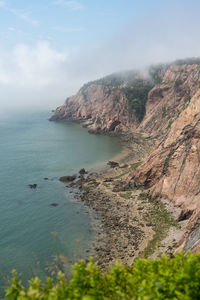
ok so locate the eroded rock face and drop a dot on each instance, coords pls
(168, 99)
(172, 171)
(104, 109)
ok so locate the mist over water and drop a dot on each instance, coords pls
(32, 148)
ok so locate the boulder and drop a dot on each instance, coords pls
(108, 179)
(67, 178)
(113, 164)
(33, 186)
(82, 171)
(123, 166)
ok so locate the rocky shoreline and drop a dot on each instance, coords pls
(126, 216)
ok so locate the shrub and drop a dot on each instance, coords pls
(137, 95)
(178, 82)
(166, 278)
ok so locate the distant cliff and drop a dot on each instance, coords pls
(115, 103)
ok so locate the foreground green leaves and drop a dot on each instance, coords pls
(176, 278)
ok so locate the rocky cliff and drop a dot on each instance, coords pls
(166, 106)
(171, 96)
(102, 108)
(105, 105)
(172, 170)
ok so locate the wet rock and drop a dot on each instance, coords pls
(33, 186)
(113, 164)
(82, 171)
(67, 178)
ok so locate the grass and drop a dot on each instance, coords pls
(160, 219)
(106, 185)
(135, 165)
(122, 174)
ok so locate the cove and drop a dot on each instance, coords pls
(31, 149)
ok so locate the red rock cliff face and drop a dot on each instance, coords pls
(172, 171)
(105, 109)
(168, 99)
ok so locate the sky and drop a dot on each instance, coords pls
(49, 48)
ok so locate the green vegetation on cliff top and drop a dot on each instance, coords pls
(137, 95)
(136, 86)
(166, 278)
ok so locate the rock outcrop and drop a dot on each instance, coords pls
(101, 108)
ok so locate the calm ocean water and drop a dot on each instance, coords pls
(32, 148)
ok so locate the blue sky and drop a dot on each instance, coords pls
(67, 23)
(49, 48)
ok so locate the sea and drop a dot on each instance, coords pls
(32, 231)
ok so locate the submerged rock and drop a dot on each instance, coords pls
(67, 178)
(33, 186)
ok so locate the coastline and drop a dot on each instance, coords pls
(126, 217)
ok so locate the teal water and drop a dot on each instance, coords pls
(32, 148)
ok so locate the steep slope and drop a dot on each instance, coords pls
(167, 99)
(128, 101)
(105, 109)
(172, 171)
(114, 103)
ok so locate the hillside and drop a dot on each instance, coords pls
(115, 103)
(165, 105)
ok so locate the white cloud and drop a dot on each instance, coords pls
(32, 67)
(71, 4)
(32, 76)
